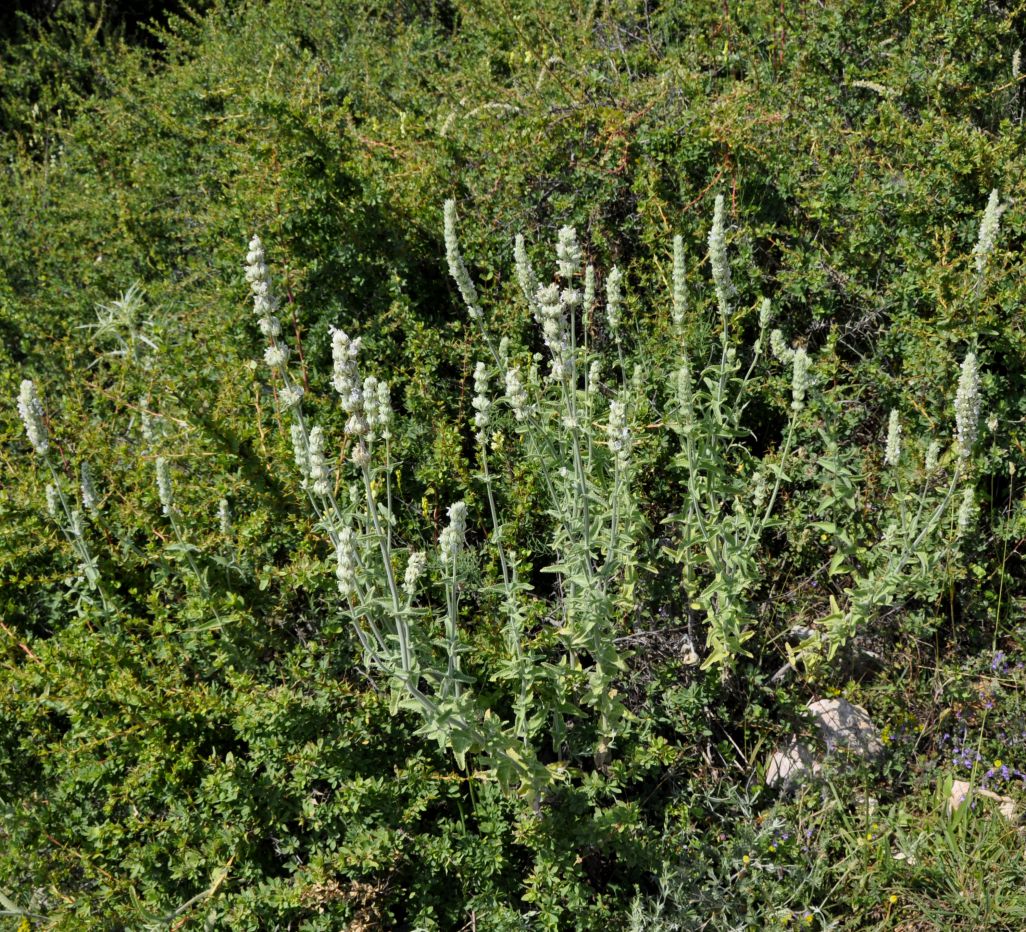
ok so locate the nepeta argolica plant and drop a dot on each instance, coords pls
(577, 432)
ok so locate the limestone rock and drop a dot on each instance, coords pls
(842, 727)
(961, 791)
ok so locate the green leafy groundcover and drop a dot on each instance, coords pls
(168, 772)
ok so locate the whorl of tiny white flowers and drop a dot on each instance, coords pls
(594, 377)
(1016, 64)
(77, 529)
(90, 500)
(779, 348)
(525, 272)
(799, 379)
(320, 472)
(345, 375)
(31, 410)
(553, 324)
(290, 395)
(718, 257)
(932, 456)
(53, 502)
(452, 538)
(299, 450)
(224, 517)
(568, 253)
(966, 509)
(165, 490)
(345, 559)
(457, 268)
(515, 393)
(892, 452)
(613, 298)
(680, 288)
(589, 288)
(481, 402)
(988, 232)
(765, 314)
(415, 567)
(276, 355)
(259, 278)
(617, 432)
(967, 405)
(270, 326)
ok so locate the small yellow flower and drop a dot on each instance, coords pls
(998, 762)
(893, 898)
(746, 860)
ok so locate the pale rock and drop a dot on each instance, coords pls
(961, 791)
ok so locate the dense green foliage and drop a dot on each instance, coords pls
(217, 752)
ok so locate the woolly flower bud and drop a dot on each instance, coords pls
(481, 403)
(77, 529)
(345, 558)
(988, 232)
(276, 355)
(90, 499)
(932, 456)
(613, 300)
(149, 425)
(967, 405)
(53, 502)
(370, 404)
(415, 567)
(224, 517)
(799, 379)
(299, 451)
(553, 324)
(966, 510)
(893, 450)
(165, 490)
(680, 288)
(685, 395)
(452, 538)
(320, 472)
(718, 256)
(515, 393)
(594, 377)
(568, 253)
(765, 314)
(346, 378)
(779, 348)
(31, 410)
(758, 490)
(617, 431)
(589, 288)
(384, 410)
(525, 273)
(1016, 64)
(457, 268)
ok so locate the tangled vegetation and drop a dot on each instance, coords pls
(601, 383)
